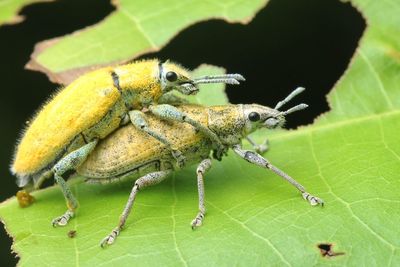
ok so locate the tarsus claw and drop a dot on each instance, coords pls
(198, 221)
(312, 199)
(63, 219)
(109, 240)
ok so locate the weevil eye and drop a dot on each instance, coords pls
(171, 76)
(254, 116)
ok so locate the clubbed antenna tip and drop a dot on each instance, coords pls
(295, 108)
(296, 91)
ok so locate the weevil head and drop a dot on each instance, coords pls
(257, 116)
(233, 122)
(175, 77)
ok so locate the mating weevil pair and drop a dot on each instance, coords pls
(67, 129)
(66, 133)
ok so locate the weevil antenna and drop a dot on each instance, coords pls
(296, 91)
(224, 78)
(294, 109)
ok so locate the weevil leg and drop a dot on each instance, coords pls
(144, 181)
(204, 166)
(138, 120)
(70, 161)
(259, 148)
(171, 98)
(257, 159)
(171, 113)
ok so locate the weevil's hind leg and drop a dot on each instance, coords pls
(145, 181)
(201, 169)
(171, 113)
(257, 159)
(138, 120)
(259, 148)
(70, 161)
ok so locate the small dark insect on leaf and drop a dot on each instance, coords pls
(71, 234)
(24, 198)
(326, 250)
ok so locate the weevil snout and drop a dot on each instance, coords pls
(187, 88)
(279, 118)
(272, 123)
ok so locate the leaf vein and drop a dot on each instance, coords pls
(139, 26)
(377, 77)
(178, 251)
(277, 252)
(347, 205)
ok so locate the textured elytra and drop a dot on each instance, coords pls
(89, 108)
(129, 149)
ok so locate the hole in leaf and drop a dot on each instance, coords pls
(326, 250)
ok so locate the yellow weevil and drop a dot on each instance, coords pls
(130, 153)
(69, 126)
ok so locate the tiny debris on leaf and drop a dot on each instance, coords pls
(71, 234)
(24, 198)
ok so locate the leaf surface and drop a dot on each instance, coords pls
(350, 157)
(135, 28)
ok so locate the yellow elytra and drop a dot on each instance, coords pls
(90, 108)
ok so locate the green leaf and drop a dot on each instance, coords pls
(9, 10)
(135, 28)
(349, 157)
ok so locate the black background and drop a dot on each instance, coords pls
(289, 43)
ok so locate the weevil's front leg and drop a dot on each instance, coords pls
(69, 162)
(139, 121)
(171, 113)
(204, 166)
(262, 148)
(257, 159)
(172, 99)
(145, 181)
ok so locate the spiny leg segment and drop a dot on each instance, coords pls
(257, 159)
(145, 181)
(204, 166)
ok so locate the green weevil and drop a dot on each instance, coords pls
(69, 126)
(129, 153)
